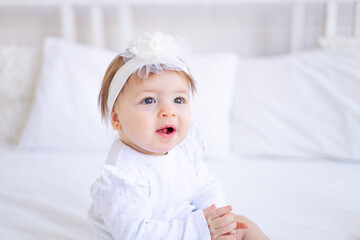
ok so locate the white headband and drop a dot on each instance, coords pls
(150, 53)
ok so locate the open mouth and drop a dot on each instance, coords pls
(167, 130)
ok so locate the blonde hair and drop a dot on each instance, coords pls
(113, 67)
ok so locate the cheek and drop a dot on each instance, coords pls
(186, 120)
(186, 115)
(136, 123)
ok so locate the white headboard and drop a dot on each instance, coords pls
(113, 23)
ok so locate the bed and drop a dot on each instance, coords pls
(43, 196)
(283, 131)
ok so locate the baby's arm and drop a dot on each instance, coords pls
(126, 210)
(209, 189)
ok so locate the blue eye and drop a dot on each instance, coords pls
(148, 100)
(179, 100)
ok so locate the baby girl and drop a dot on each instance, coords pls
(154, 184)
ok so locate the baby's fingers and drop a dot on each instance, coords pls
(226, 229)
(229, 236)
(223, 221)
(218, 212)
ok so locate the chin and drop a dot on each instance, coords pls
(164, 150)
(160, 148)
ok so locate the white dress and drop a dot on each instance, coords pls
(140, 196)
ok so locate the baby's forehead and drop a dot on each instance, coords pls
(165, 78)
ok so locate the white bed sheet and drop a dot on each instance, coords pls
(296, 200)
(46, 195)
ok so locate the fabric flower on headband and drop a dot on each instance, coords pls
(154, 53)
(157, 47)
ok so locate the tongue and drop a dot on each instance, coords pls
(164, 130)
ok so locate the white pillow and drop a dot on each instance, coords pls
(65, 114)
(211, 110)
(19, 70)
(303, 106)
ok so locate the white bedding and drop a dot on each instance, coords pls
(46, 195)
(289, 113)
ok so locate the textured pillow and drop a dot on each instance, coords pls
(19, 71)
(303, 106)
(65, 114)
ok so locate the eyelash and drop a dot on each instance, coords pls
(145, 100)
(148, 98)
(182, 100)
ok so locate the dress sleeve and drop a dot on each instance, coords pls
(209, 189)
(121, 202)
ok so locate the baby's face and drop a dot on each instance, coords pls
(154, 113)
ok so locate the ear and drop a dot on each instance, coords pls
(115, 122)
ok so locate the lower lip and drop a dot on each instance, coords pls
(164, 135)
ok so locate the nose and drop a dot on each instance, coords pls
(167, 111)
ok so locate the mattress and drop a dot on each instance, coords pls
(45, 195)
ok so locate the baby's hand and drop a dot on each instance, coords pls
(221, 222)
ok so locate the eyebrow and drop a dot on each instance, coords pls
(154, 91)
(182, 91)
